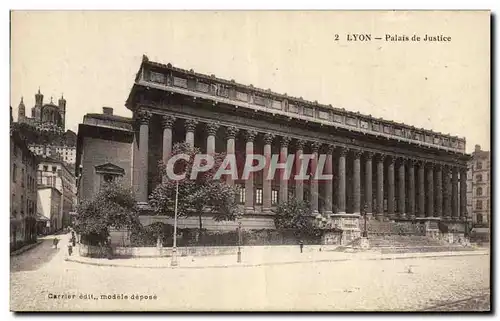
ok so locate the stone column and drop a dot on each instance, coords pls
(439, 191)
(314, 182)
(463, 192)
(421, 189)
(411, 189)
(231, 148)
(454, 193)
(143, 116)
(284, 181)
(167, 123)
(211, 131)
(266, 183)
(342, 180)
(402, 188)
(299, 183)
(380, 186)
(430, 190)
(356, 189)
(368, 183)
(190, 126)
(249, 202)
(446, 193)
(391, 194)
(329, 183)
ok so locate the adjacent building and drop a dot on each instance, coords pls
(23, 190)
(395, 171)
(57, 187)
(45, 129)
(44, 117)
(479, 187)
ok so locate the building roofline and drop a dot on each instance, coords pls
(268, 92)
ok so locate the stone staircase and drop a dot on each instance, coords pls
(403, 237)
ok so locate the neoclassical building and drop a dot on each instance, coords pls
(389, 170)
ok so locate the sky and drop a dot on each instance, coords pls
(92, 56)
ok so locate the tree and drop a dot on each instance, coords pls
(294, 214)
(114, 206)
(199, 195)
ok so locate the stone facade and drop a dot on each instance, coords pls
(23, 190)
(392, 171)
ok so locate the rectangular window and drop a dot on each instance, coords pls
(479, 165)
(479, 205)
(242, 195)
(54, 168)
(274, 196)
(258, 196)
(45, 168)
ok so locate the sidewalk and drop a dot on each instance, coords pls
(250, 259)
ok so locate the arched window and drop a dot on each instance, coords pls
(479, 165)
(479, 178)
(479, 191)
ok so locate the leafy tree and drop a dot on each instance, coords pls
(199, 195)
(113, 207)
(294, 214)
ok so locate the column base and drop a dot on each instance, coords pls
(327, 213)
(266, 211)
(402, 216)
(249, 210)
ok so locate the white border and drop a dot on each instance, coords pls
(195, 5)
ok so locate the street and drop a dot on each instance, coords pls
(42, 281)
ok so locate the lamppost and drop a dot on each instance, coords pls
(239, 241)
(365, 209)
(174, 248)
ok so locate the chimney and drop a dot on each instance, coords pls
(107, 110)
(477, 148)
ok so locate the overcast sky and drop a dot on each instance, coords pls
(92, 58)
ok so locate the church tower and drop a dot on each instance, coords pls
(36, 112)
(62, 110)
(21, 111)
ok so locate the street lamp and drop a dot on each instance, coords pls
(174, 248)
(239, 241)
(365, 210)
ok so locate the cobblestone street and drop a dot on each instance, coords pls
(434, 284)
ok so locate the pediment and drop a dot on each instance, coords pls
(109, 168)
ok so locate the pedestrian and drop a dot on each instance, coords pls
(70, 249)
(73, 240)
(301, 244)
(55, 242)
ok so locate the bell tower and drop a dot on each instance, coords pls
(62, 111)
(36, 112)
(21, 111)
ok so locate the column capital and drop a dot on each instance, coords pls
(285, 140)
(438, 166)
(357, 153)
(231, 132)
(315, 146)
(250, 135)
(403, 160)
(299, 143)
(392, 160)
(212, 128)
(167, 121)
(342, 151)
(369, 155)
(381, 157)
(412, 161)
(431, 165)
(268, 138)
(329, 149)
(143, 116)
(190, 125)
